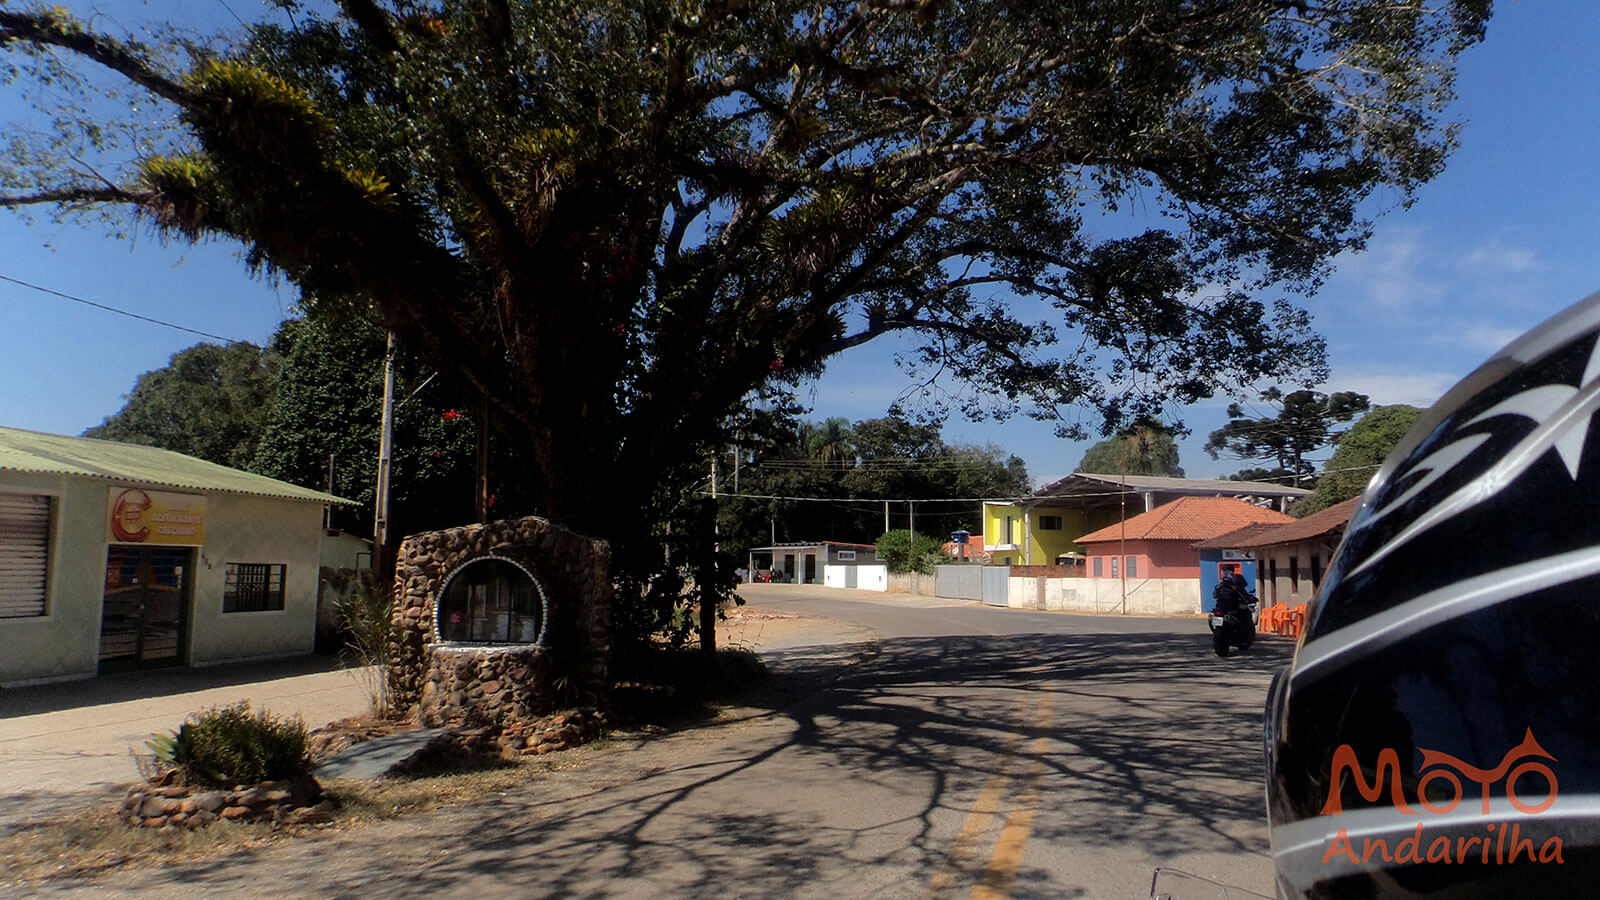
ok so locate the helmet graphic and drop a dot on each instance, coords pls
(1439, 731)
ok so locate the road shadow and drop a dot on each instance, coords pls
(1127, 740)
(58, 696)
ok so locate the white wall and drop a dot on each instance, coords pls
(866, 578)
(1145, 596)
(257, 530)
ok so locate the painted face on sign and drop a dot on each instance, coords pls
(127, 516)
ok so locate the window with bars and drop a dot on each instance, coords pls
(24, 554)
(253, 587)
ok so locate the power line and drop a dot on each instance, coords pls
(120, 312)
(232, 13)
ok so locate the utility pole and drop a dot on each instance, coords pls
(708, 608)
(1122, 544)
(380, 519)
(885, 517)
(481, 502)
(327, 511)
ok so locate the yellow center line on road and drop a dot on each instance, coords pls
(974, 828)
(1001, 874)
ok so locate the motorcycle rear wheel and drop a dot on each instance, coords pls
(1219, 641)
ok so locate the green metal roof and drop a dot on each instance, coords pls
(54, 454)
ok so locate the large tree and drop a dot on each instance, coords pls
(209, 401)
(1357, 454)
(1301, 423)
(615, 220)
(1145, 448)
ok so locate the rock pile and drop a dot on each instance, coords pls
(550, 734)
(293, 802)
(507, 740)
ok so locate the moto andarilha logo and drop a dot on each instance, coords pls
(1443, 783)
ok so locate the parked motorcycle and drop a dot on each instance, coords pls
(1235, 627)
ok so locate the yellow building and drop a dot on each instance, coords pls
(1043, 529)
(115, 556)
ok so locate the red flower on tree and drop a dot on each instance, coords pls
(450, 415)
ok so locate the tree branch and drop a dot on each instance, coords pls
(54, 29)
(373, 22)
(77, 196)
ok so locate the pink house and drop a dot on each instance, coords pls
(1160, 543)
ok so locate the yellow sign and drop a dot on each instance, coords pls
(137, 516)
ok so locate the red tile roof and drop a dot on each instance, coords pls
(1327, 522)
(1188, 519)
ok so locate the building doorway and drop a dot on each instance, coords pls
(145, 615)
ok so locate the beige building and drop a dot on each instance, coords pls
(117, 557)
(1291, 558)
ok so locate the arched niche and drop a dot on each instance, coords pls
(491, 600)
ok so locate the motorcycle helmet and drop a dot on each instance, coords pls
(1438, 733)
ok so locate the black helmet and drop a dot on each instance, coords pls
(1439, 731)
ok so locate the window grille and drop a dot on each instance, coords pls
(253, 587)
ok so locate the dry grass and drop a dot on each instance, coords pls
(95, 840)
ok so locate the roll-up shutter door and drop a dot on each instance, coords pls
(24, 554)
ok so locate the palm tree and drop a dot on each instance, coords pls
(831, 442)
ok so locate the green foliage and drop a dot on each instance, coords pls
(1357, 455)
(860, 466)
(365, 614)
(905, 552)
(227, 746)
(330, 402)
(1302, 424)
(1145, 448)
(210, 401)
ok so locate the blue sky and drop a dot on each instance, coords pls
(1506, 237)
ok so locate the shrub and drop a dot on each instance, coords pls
(364, 617)
(905, 552)
(226, 746)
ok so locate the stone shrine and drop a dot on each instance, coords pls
(486, 615)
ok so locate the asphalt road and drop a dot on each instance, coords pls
(941, 749)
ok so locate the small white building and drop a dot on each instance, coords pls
(803, 562)
(116, 557)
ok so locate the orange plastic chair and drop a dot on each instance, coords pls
(1297, 620)
(1269, 620)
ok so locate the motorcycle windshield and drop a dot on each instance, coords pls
(1176, 884)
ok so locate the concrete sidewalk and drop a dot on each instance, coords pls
(73, 742)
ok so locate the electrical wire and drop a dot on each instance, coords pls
(120, 312)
